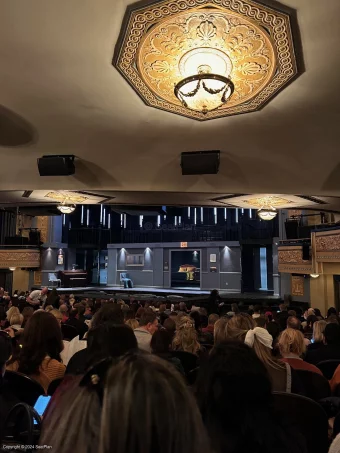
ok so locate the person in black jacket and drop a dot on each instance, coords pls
(331, 348)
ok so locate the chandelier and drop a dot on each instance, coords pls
(66, 208)
(12, 269)
(267, 210)
(314, 275)
(206, 85)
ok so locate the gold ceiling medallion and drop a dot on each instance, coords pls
(271, 200)
(69, 196)
(206, 59)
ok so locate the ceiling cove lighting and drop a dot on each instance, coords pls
(66, 208)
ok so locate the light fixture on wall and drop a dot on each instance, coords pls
(12, 269)
(66, 208)
(314, 275)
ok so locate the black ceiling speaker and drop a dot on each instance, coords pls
(56, 165)
(200, 163)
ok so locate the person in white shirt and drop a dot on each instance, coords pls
(37, 297)
(147, 327)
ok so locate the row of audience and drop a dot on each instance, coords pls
(141, 402)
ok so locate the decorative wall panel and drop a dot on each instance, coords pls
(297, 285)
(327, 246)
(291, 261)
(19, 258)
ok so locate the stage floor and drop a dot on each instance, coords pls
(184, 292)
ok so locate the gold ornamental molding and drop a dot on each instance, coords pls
(19, 258)
(297, 287)
(291, 261)
(327, 246)
(252, 43)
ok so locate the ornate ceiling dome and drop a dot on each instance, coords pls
(246, 46)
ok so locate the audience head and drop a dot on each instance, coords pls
(170, 326)
(162, 308)
(41, 338)
(213, 318)
(171, 423)
(318, 313)
(27, 312)
(283, 307)
(44, 291)
(16, 319)
(293, 323)
(11, 311)
(185, 338)
(260, 321)
(235, 309)
(331, 311)
(219, 330)
(291, 341)
(133, 323)
(148, 321)
(234, 395)
(332, 319)
(257, 309)
(63, 309)
(161, 342)
(332, 334)
(109, 313)
(57, 314)
(49, 308)
(292, 313)
(318, 331)
(197, 320)
(311, 319)
(183, 306)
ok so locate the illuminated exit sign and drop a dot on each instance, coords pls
(184, 245)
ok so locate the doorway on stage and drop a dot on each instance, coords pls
(186, 269)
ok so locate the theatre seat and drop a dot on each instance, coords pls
(308, 417)
(315, 386)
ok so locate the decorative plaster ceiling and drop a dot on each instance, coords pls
(247, 41)
(257, 201)
(66, 196)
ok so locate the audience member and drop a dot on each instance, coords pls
(235, 397)
(138, 404)
(41, 347)
(214, 301)
(235, 309)
(260, 321)
(147, 327)
(219, 330)
(16, 321)
(213, 318)
(308, 329)
(37, 297)
(318, 335)
(161, 346)
(74, 320)
(294, 323)
(64, 311)
(282, 316)
(27, 312)
(170, 326)
(257, 311)
(292, 348)
(185, 338)
(241, 328)
(331, 348)
(133, 323)
(78, 356)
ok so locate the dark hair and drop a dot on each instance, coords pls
(161, 341)
(41, 338)
(197, 319)
(318, 312)
(332, 333)
(234, 308)
(109, 340)
(293, 323)
(109, 418)
(147, 317)
(311, 319)
(257, 308)
(331, 311)
(234, 395)
(260, 322)
(110, 313)
(80, 308)
(170, 326)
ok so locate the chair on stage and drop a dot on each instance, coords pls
(53, 279)
(308, 417)
(125, 280)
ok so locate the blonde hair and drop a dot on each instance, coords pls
(237, 328)
(49, 308)
(57, 314)
(291, 341)
(220, 330)
(318, 330)
(11, 311)
(16, 318)
(133, 323)
(185, 338)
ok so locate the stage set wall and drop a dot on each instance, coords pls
(156, 271)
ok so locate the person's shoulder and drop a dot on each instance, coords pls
(49, 363)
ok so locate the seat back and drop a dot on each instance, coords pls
(123, 275)
(307, 416)
(52, 277)
(53, 386)
(68, 332)
(328, 367)
(316, 386)
(189, 361)
(23, 387)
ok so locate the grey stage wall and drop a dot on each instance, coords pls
(157, 264)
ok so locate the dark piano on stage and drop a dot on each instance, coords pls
(73, 279)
